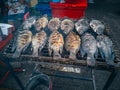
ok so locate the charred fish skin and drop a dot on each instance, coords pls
(97, 26)
(22, 42)
(82, 26)
(72, 44)
(54, 24)
(67, 25)
(56, 43)
(89, 47)
(38, 42)
(105, 47)
(27, 24)
(41, 23)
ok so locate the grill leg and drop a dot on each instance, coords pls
(93, 77)
(9, 67)
(110, 79)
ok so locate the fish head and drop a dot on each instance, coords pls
(67, 26)
(82, 26)
(37, 26)
(97, 26)
(54, 24)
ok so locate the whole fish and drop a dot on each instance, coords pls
(56, 43)
(54, 24)
(105, 47)
(97, 26)
(41, 23)
(22, 42)
(72, 44)
(89, 47)
(29, 22)
(38, 42)
(82, 26)
(67, 25)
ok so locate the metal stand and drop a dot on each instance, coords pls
(10, 68)
(110, 79)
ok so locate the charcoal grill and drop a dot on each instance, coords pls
(48, 62)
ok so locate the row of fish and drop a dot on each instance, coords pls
(88, 41)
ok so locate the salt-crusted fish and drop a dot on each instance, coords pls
(82, 26)
(38, 42)
(41, 23)
(72, 44)
(89, 47)
(56, 43)
(67, 25)
(22, 42)
(97, 26)
(105, 47)
(54, 24)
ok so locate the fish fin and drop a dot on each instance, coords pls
(17, 53)
(72, 56)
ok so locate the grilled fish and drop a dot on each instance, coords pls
(72, 44)
(22, 42)
(41, 23)
(56, 43)
(97, 26)
(38, 42)
(89, 47)
(82, 26)
(54, 24)
(67, 25)
(105, 47)
(29, 22)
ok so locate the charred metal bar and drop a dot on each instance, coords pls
(70, 77)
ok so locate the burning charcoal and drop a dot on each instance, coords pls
(97, 26)
(67, 25)
(54, 24)
(22, 42)
(89, 47)
(72, 44)
(29, 22)
(82, 26)
(105, 47)
(38, 42)
(56, 43)
(41, 23)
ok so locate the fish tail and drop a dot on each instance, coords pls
(35, 53)
(16, 53)
(109, 57)
(56, 55)
(72, 56)
(90, 60)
